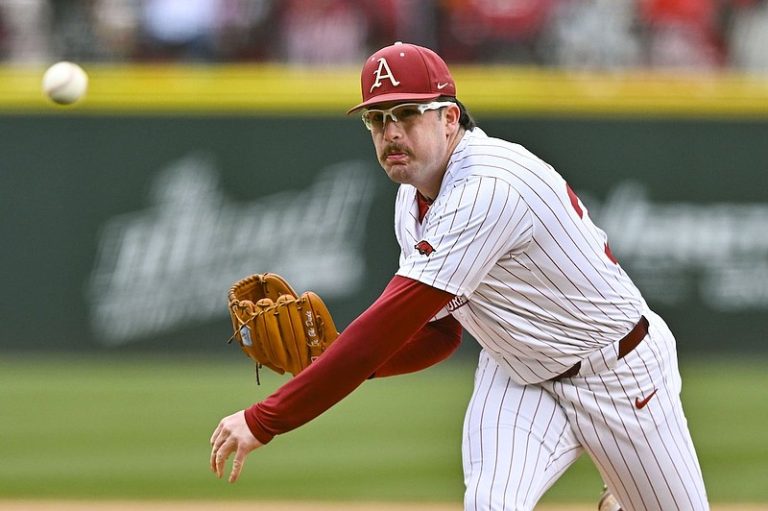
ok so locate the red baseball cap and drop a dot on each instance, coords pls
(404, 72)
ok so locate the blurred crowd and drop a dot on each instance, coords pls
(580, 34)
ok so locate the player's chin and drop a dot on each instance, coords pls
(397, 173)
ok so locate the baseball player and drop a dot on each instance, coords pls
(494, 241)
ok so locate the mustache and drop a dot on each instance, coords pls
(394, 148)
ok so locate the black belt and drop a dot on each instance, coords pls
(626, 345)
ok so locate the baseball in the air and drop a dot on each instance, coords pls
(65, 83)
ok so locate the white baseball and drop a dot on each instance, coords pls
(65, 83)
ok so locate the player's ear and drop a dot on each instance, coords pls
(452, 114)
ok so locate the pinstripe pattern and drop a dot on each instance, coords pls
(511, 458)
(646, 456)
(518, 439)
(537, 287)
(542, 293)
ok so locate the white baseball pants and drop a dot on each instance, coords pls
(518, 439)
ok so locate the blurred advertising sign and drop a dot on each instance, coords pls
(678, 252)
(127, 230)
(172, 262)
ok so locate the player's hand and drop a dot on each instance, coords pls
(232, 435)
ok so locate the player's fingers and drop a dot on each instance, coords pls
(216, 441)
(216, 433)
(214, 454)
(213, 460)
(218, 451)
(220, 458)
(237, 464)
(223, 437)
(219, 465)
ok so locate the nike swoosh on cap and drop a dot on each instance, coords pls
(441, 86)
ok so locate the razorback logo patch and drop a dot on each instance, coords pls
(424, 247)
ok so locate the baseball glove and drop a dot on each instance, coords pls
(277, 328)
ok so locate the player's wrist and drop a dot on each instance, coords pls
(257, 430)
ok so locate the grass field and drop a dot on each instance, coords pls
(131, 428)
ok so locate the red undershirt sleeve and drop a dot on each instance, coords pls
(402, 310)
(430, 345)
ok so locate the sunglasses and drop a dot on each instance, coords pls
(375, 119)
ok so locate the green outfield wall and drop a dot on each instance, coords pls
(125, 219)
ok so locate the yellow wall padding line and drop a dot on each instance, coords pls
(487, 91)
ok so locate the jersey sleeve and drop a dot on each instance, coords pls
(476, 223)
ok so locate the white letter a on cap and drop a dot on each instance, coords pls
(383, 72)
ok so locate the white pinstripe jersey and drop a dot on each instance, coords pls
(535, 283)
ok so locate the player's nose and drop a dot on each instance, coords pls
(391, 129)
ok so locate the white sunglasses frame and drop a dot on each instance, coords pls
(389, 112)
